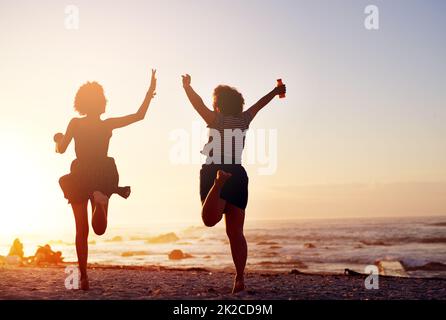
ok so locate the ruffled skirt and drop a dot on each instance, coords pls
(87, 177)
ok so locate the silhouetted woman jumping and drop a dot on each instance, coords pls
(223, 180)
(94, 176)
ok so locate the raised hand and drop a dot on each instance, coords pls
(196, 101)
(186, 80)
(152, 88)
(279, 90)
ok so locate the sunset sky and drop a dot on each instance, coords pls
(361, 132)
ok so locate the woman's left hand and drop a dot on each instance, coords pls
(280, 89)
(152, 88)
(58, 137)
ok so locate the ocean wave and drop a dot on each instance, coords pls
(295, 263)
(430, 266)
(374, 243)
(261, 238)
(437, 224)
(406, 240)
(415, 265)
(433, 240)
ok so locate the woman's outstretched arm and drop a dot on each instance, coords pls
(63, 140)
(120, 122)
(266, 99)
(196, 101)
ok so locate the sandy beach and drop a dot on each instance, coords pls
(115, 282)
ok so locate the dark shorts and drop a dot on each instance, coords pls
(235, 190)
(88, 177)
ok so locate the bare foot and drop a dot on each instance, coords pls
(239, 285)
(222, 177)
(99, 219)
(124, 192)
(85, 285)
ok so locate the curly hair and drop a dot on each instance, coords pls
(228, 100)
(90, 99)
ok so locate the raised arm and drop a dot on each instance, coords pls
(266, 99)
(196, 101)
(120, 122)
(63, 140)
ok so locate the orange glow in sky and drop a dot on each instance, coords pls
(360, 133)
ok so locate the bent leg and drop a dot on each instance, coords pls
(99, 207)
(81, 217)
(235, 218)
(213, 205)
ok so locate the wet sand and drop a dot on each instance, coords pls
(115, 282)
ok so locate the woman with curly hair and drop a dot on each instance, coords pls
(94, 176)
(223, 180)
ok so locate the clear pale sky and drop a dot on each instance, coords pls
(361, 132)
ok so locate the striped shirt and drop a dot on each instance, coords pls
(227, 138)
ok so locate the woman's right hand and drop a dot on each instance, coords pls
(186, 80)
(58, 137)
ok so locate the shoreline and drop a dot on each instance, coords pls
(148, 267)
(154, 282)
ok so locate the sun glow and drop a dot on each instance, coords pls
(22, 187)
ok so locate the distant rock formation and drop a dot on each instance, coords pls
(309, 246)
(391, 268)
(178, 255)
(163, 238)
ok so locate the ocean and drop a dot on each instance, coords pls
(313, 246)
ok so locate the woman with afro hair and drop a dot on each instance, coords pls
(94, 176)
